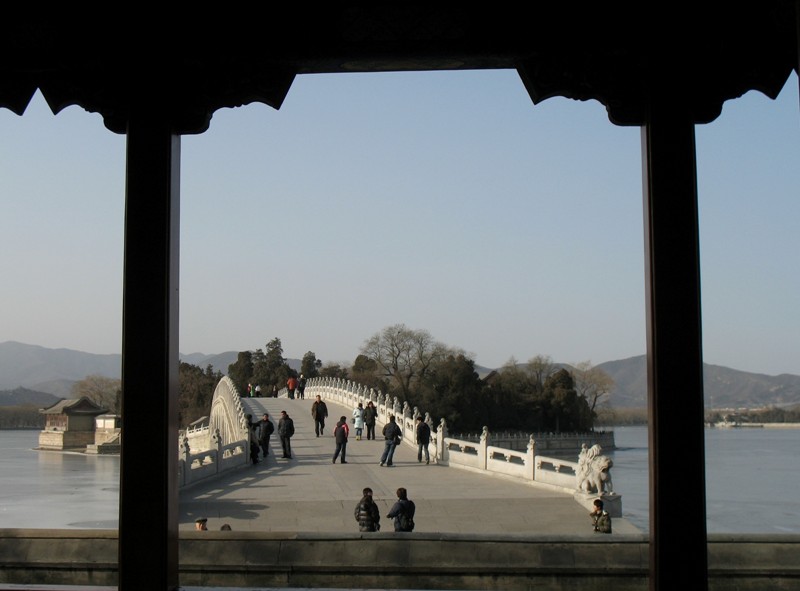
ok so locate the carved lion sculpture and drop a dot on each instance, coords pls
(594, 474)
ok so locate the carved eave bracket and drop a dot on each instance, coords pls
(695, 62)
(187, 96)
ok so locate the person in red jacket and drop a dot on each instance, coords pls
(291, 385)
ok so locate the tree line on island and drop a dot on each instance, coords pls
(410, 364)
(537, 396)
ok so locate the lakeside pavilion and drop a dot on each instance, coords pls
(155, 77)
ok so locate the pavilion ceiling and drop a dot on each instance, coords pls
(624, 58)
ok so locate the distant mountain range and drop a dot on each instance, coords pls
(25, 368)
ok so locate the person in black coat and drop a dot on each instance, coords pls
(285, 432)
(266, 428)
(341, 432)
(423, 433)
(367, 513)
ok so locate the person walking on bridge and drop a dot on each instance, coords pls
(341, 433)
(291, 386)
(285, 432)
(319, 411)
(391, 436)
(423, 433)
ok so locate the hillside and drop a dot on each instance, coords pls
(724, 387)
(24, 396)
(53, 371)
(32, 366)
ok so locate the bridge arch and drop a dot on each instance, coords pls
(227, 415)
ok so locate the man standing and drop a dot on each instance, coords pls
(370, 416)
(301, 387)
(391, 436)
(319, 411)
(285, 432)
(266, 428)
(341, 432)
(367, 514)
(423, 432)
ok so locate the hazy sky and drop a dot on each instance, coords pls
(444, 201)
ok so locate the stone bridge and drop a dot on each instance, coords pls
(220, 447)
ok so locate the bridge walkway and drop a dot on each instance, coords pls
(310, 494)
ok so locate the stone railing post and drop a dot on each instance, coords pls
(530, 461)
(217, 440)
(441, 447)
(483, 451)
(186, 463)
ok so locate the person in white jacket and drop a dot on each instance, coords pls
(358, 420)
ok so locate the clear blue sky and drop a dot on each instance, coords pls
(445, 201)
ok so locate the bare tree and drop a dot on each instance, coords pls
(540, 368)
(99, 389)
(592, 382)
(404, 355)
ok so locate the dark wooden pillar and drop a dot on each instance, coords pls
(148, 514)
(678, 555)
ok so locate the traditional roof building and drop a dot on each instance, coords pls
(69, 424)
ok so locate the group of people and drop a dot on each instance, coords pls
(362, 417)
(392, 435)
(296, 385)
(261, 431)
(201, 524)
(366, 417)
(368, 515)
(255, 391)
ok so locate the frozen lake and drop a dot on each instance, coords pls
(751, 482)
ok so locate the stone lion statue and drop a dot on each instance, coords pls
(594, 475)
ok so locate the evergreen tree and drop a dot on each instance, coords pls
(241, 371)
(453, 390)
(365, 371)
(261, 374)
(333, 370)
(196, 391)
(310, 365)
(277, 368)
(565, 409)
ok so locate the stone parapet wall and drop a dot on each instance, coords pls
(102, 436)
(59, 440)
(559, 444)
(389, 560)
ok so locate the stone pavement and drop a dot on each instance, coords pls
(310, 494)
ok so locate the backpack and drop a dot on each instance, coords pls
(406, 521)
